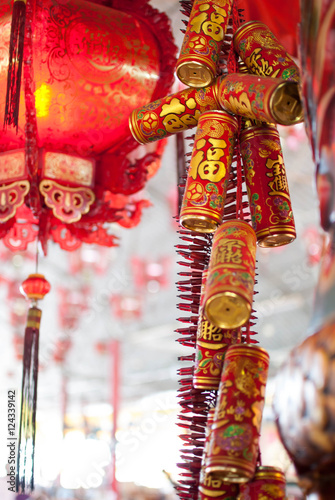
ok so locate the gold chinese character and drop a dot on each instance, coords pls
(209, 168)
(230, 251)
(278, 184)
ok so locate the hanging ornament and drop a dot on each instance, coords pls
(207, 181)
(263, 54)
(268, 482)
(233, 449)
(267, 185)
(34, 288)
(211, 346)
(209, 486)
(171, 114)
(260, 98)
(84, 70)
(199, 54)
(231, 275)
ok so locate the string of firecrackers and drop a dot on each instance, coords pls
(234, 105)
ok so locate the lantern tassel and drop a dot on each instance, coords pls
(16, 46)
(26, 447)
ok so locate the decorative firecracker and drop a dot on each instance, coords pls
(260, 98)
(209, 486)
(268, 193)
(231, 275)
(268, 483)
(34, 288)
(211, 346)
(207, 181)
(263, 54)
(233, 449)
(171, 114)
(200, 52)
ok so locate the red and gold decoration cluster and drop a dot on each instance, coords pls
(236, 96)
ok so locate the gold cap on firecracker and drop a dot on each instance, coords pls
(199, 223)
(227, 310)
(269, 239)
(285, 104)
(195, 74)
(267, 472)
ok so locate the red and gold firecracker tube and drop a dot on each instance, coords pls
(263, 54)
(171, 114)
(271, 100)
(205, 191)
(211, 487)
(234, 443)
(267, 186)
(231, 275)
(268, 483)
(206, 29)
(211, 346)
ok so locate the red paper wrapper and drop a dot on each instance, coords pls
(211, 487)
(207, 180)
(268, 483)
(263, 54)
(212, 344)
(260, 98)
(231, 274)
(171, 114)
(233, 448)
(203, 41)
(269, 198)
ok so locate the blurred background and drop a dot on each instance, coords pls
(107, 343)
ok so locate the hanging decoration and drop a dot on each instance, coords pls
(231, 275)
(34, 288)
(268, 482)
(260, 90)
(267, 185)
(68, 164)
(71, 166)
(203, 40)
(208, 175)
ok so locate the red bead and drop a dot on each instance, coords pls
(35, 287)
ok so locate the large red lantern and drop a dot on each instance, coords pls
(85, 68)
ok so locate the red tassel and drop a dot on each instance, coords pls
(16, 47)
(26, 447)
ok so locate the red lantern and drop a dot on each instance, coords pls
(35, 287)
(85, 67)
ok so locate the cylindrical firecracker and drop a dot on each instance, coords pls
(207, 181)
(231, 275)
(211, 346)
(268, 483)
(206, 29)
(271, 100)
(211, 487)
(263, 54)
(233, 449)
(171, 114)
(267, 186)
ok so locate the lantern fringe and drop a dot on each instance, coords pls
(16, 46)
(26, 446)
